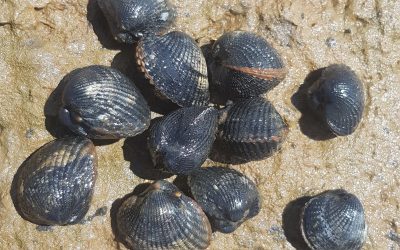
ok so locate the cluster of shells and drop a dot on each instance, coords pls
(55, 184)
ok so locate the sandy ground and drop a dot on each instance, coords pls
(42, 40)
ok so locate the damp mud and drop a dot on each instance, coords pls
(43, 40)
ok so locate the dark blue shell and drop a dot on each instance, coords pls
(245, 65)
(181, 141)
(334, 220)
(176, 66)
(130, 20)
(227, 197)
(338, 97)
(163, 218)
(100, 102)
(251, 130)
(55, 185)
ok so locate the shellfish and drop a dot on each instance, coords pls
(334, 220)
(338, 97)
(100, 102)
(181, 141)
(227, 197)
(250, 129)
(245, 65)
(130, 20)
(163, 218)
(175, 65)
(55, 185)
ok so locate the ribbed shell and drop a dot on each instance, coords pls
(132, 19)
(245, 65)
(252, 130)
(55, 185)
(227, 197)
(176, 66)
(163, 218)
(101, 102)
(181, 141)
(334, 220)
(338, 96)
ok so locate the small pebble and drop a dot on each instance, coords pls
(330, 42)
(42, 228)
(29, 133)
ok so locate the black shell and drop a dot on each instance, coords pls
(227, 197)
(55, 185)
(251, 129)
(130, 20)
(334, 220)
(176, 66)
(244, 64)
(100, 102)
(338, 97)
(163, 218)
(181, 141)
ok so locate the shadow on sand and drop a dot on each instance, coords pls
(310, 124)
(291, 222)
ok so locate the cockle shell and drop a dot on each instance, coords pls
(181, 141)
(100, 102)
(163, 218)
(251, 129)
(130, 20)
(227, 197)
(55, 185)
(338, 98)
(244, 65)
(176, 66)
(334, 220)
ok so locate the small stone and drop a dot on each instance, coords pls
(29, 133)
(41, 228)
(330, 42)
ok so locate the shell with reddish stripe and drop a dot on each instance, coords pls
(244, 64)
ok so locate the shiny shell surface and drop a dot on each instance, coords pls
(174, 63)
(338, 97)
(250, 129)
(227, 197)
(181, 141)
(130, 20)
(100, 102)
(334, 220)
(55, 185)
(163, 218)
(245, 64)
